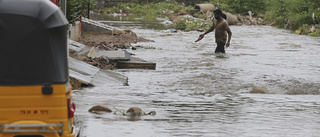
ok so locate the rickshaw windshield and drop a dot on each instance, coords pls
(33, 43)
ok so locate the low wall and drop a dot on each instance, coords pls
(100, 4)
(75, 30)
(95, 29)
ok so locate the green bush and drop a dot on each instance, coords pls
(181, 25)
(293, 14)
(198, 25)
(192, 26)
(294, 21)
(241, 6)
(315, 34)
(161, 8)
(290, 14)
(77, 8)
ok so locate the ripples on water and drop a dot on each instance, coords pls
(267, 85)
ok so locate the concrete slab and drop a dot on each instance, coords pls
(109, 78)
(82, 71)
(120, 55)
(75, 46)
(91, 75)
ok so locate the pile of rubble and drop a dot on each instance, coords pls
(98, 44)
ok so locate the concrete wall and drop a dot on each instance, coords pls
(95, 29)
(100, 4)
(75, 30)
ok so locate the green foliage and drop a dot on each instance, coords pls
(196, 24)
(181, 25)
(73, 7)
(188, 24)
(199, 15)
(77, 8)
(315, 34)
(241, 6)
(192, 26)
(292, 14)
(161, 8)
(305, 28)
(295, 20)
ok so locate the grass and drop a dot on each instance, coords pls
(159, 9)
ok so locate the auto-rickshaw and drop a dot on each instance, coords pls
(35, 95)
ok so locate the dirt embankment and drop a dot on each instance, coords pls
(120, 39)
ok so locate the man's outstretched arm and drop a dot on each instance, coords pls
(209, 30)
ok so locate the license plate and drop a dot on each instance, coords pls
(34, 112)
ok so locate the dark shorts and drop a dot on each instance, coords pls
(220, 48)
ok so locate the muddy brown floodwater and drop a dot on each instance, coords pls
(266, 85)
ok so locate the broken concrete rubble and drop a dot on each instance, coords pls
(92, 61)
(122, 55)
(84, 74)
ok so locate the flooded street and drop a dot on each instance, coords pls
(266, 85)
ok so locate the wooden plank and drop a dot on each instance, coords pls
(135, 65)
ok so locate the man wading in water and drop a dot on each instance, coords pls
(221, 29)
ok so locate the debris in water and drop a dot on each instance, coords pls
(98, 108)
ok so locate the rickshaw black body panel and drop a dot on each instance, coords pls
(33, 43)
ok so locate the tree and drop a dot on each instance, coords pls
(78, 8)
